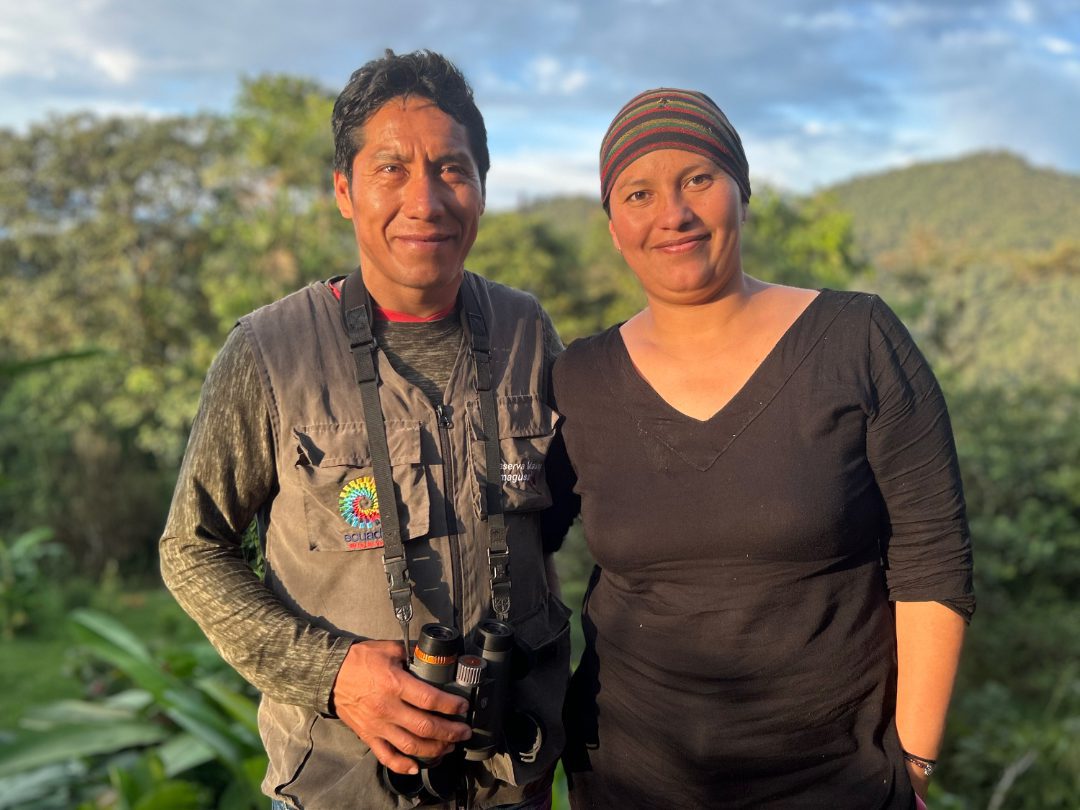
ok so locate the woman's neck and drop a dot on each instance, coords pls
(695, 330)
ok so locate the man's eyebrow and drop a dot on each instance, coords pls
(455, 156)
(388, 154)
(452, 156)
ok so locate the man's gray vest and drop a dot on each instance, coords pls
(323, 556)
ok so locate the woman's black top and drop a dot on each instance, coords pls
(740, 639)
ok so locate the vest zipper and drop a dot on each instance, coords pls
(445, 425)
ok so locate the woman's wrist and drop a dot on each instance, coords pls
(923, 764)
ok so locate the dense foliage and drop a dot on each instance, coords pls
(128, 247)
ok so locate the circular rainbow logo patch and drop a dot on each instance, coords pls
(359, 503)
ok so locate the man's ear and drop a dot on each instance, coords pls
(342, 195)
(614, 238)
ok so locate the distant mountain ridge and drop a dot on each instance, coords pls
(983, 203)
(986, 203)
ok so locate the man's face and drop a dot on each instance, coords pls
(415, 202)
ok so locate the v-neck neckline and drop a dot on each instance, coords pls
(699, 442)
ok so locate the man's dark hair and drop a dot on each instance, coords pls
(420, 73)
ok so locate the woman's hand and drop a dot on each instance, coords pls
(920, 781)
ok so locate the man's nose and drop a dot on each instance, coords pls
(424, 196)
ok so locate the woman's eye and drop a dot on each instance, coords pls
(699, 180)
(637, 196)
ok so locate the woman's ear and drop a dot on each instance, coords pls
(614, 238)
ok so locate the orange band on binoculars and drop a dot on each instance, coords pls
(436, 660)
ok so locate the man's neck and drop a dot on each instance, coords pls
(420, 303)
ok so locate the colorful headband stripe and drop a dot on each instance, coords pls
(619, 153)
(668, 118)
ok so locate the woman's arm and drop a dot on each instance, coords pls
(928, 640)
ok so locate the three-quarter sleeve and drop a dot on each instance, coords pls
(228, 474)
(910, 447)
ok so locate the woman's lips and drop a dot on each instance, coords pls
(683, 244)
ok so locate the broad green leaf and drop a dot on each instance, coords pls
(238, 706)
(34, 749)
(183, 752)
(74, 712)
(31, 788)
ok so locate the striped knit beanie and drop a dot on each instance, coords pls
(667, 118)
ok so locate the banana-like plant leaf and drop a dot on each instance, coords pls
(196, 718)
(77, 712)
(237, 705)
(111, 641)
(182, 753)
(34, 788)
(35, 749)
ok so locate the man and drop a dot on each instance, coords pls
(391, 426)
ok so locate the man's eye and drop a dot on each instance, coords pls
(637, 196)
(699, 180)
(390, 168)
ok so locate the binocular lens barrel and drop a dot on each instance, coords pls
(436, 655)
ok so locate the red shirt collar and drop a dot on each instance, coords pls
(397, 317)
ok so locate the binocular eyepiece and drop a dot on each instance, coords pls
(483, 679)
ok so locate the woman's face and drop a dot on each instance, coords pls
(677, 217)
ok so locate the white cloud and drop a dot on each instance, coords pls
(832, 20)
(531, 174)
(53, 40)
(1021, 11)
(547, 75)
(1057, 45)
(117, 64)
(976, 38)
(906, 15)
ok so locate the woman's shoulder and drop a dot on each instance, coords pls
(585, 349)
(585, 357)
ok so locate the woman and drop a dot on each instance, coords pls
(770, 488)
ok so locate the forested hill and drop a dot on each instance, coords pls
(985, 203)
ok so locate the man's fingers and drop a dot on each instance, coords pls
(429, 698)
(427, 726)
(392, 759)
(407, 743)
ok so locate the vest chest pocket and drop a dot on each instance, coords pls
(341, 507)
(526, 430)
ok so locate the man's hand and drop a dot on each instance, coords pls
(391, 710)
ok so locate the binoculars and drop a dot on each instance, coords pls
(483, 679)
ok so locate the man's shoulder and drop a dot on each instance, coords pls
(499, 293)
(298, 300)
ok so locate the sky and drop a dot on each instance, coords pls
(819, 91)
